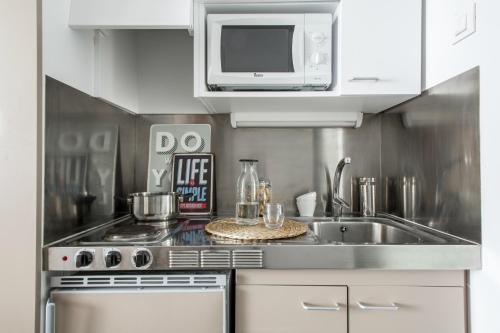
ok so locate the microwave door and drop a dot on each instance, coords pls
(260, 51)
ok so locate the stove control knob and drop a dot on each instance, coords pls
(113, 258)
(83, 259)
(142, 258)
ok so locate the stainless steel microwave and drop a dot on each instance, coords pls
(269, 51)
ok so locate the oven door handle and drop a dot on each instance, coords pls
(50, 317)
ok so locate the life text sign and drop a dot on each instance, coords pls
(194, 174)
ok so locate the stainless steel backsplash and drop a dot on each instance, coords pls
(424, 154)
(89, 160)
(295, 160)
(430, 158)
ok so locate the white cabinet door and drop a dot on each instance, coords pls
(380, 47)
(291, 309)
(390, 309)
(131, 14)
(139, 310)
(68, 54)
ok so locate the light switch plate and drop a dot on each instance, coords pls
(464, 21)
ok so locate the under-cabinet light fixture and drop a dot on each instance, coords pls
(296, 119)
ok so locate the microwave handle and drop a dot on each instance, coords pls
(298, 47)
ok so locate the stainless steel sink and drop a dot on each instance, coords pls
(369, 231)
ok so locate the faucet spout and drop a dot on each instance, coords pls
(339, 203)
(338, 174)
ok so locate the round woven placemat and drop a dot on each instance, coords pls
(227, 227)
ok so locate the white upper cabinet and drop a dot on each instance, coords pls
(125, 51)
(380, 47)
(131, 14)
(136, 55)
(68, 54)
(376, 57)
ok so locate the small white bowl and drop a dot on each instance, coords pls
(306, 207)
(310, 195)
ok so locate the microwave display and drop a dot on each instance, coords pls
(263, 48)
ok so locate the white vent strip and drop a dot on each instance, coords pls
(216, 259)
(161, 281)
(248, 258)
(180, 259)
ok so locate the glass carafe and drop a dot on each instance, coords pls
(247, 194)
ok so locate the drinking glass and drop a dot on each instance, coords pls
(273, 215)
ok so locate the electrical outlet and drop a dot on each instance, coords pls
(464, 21)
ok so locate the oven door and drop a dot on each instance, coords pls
(132, 310)
(255, 50)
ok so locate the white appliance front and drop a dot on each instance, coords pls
(268, 51)
(129, 304)
(132, 310)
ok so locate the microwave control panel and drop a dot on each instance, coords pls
(318, 49)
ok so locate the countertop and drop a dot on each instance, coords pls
(190, 247)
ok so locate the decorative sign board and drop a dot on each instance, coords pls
(168, 139)
(81, 163)
(194, 174)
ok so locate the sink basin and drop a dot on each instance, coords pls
(361, 231)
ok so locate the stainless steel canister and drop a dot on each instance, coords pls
(155, 206)
(408, 197)
(367, 196)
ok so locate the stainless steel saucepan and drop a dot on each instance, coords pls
(156, 206)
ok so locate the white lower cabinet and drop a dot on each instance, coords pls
(357, 301)
(405, 309)
(291, 309)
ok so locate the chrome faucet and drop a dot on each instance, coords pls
(338, 203)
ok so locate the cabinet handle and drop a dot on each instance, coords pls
(50, 317)
(310, 307)
(392, 307)
(364, 78)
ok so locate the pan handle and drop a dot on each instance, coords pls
(184, 196)
(128, 200)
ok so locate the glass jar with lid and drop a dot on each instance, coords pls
(247, 193)
(265, 193)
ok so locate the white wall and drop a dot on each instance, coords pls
(165, 66)
(444, 61)
(116, 68)
(19, 111)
